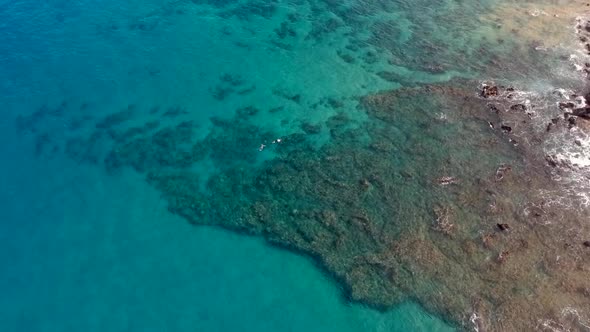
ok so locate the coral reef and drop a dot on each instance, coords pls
(370, 208)
(438, 196)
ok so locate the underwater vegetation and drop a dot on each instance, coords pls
(431, 192)
(423, 201)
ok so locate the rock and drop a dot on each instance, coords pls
(584, 291)
(501, 171)
(583, 112)
(365, 184)
(502, 256)
(586, 244)
(488, 240)
(569, 105)
(434, 69)
(549, 126)
(518, 108)
(506, 128)
(443, 220)
(489, 91)
(494, 108)
(572, 122)
(551, 160)
(555, 161)
(446, 180)
(503, 227)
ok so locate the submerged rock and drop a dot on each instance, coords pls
(370, 207)
(503, 226)
(446, 180)
(566, 105)
(518, 108)
(502, 171)
(488, 91)
(582, 112)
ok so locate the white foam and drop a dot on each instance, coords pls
(571, 313)
(551, 325)
(570, 149)
(473, 319)
(537, 12)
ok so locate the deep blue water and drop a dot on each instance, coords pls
(82, 250)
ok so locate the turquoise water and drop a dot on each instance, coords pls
(123, 121)
(70, 264)
(83, 250)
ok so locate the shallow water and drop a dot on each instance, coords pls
(71, 264)
(122, 121)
